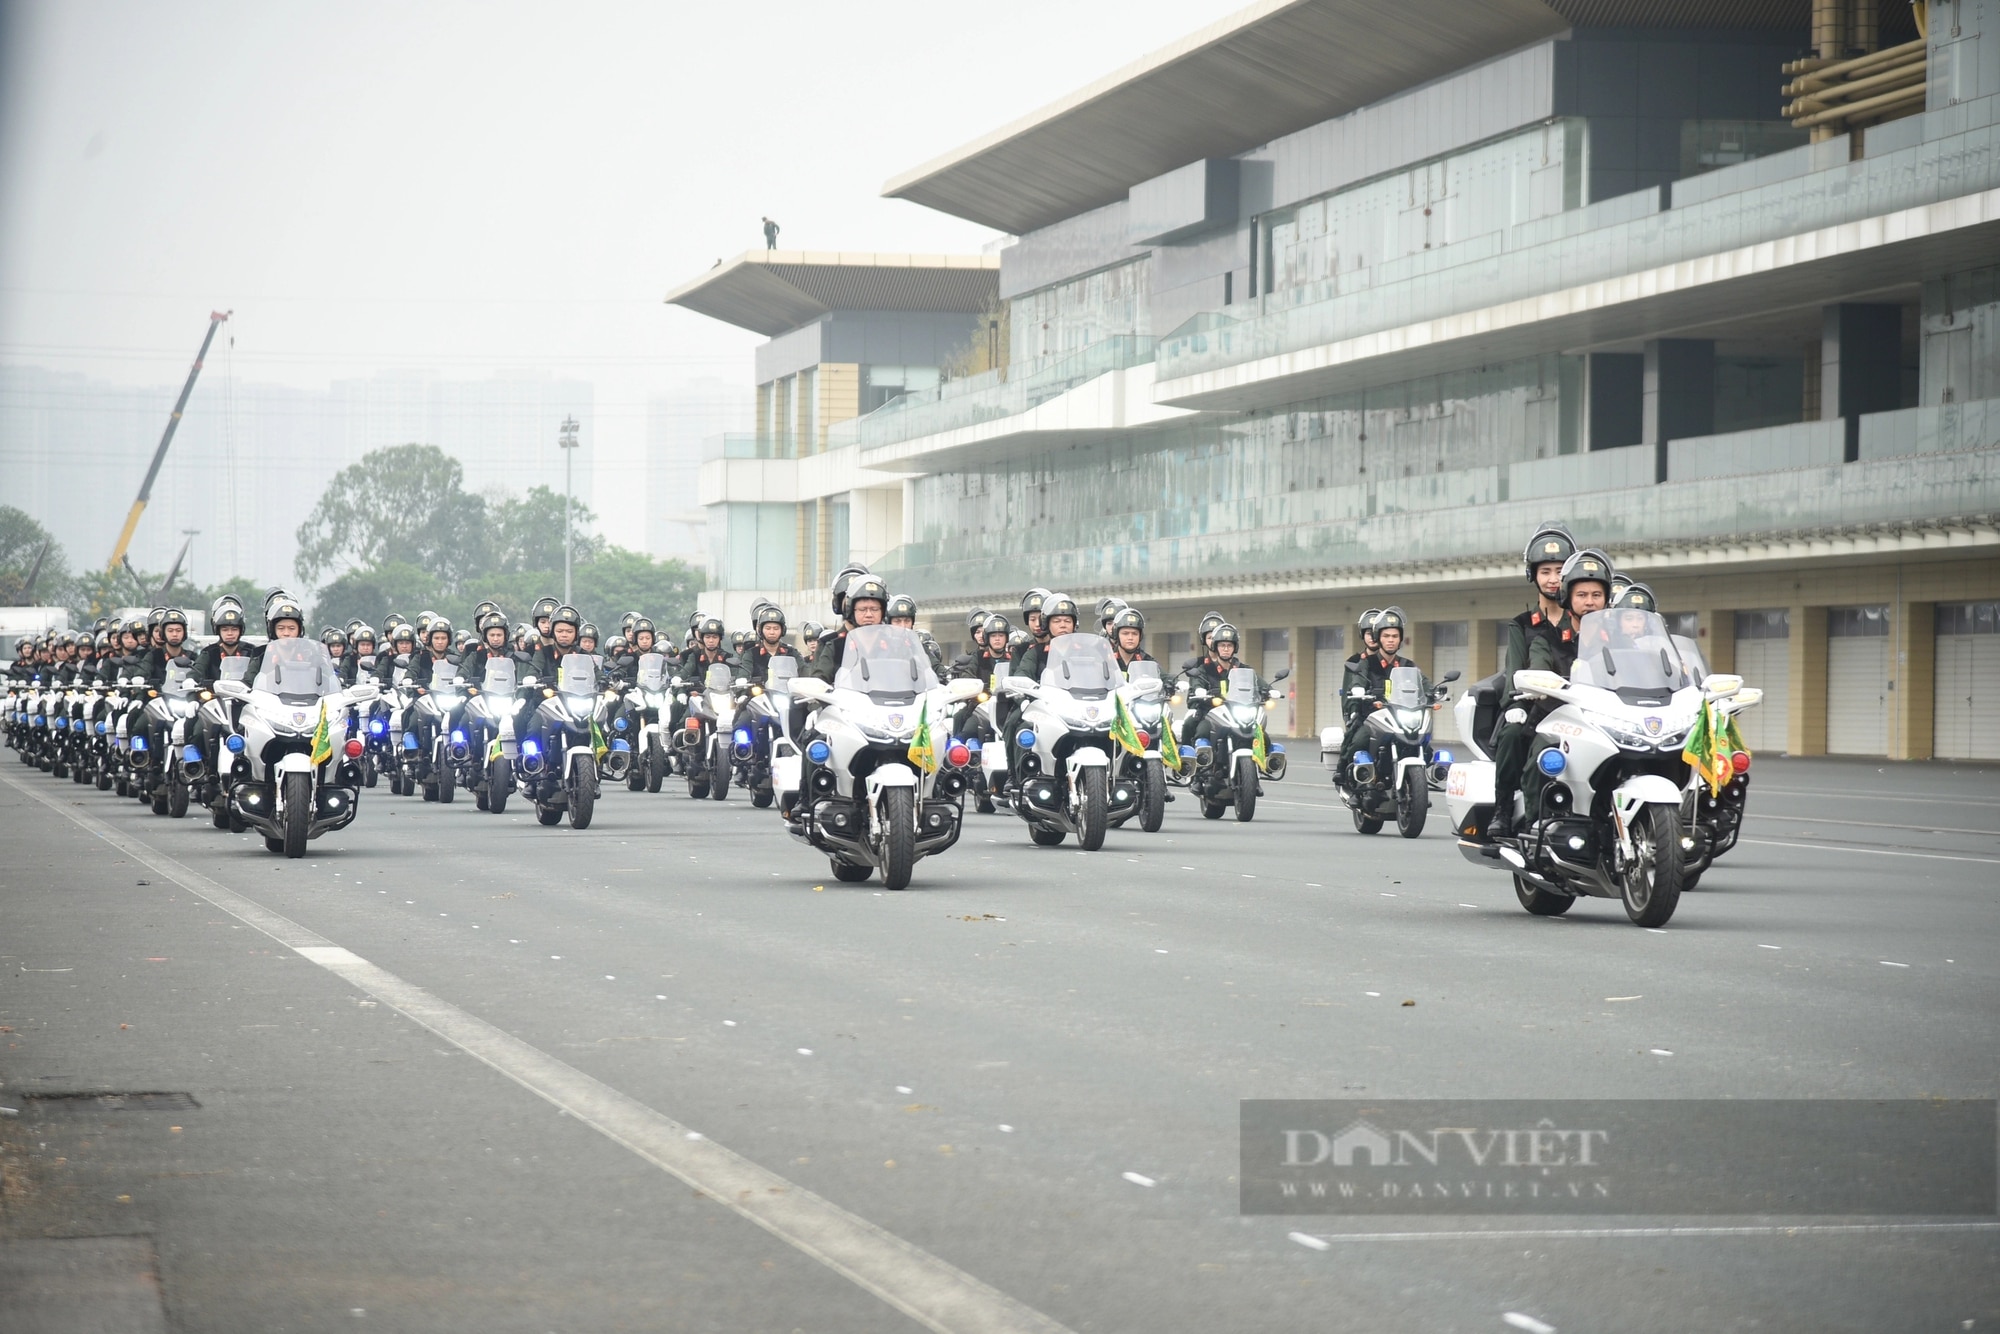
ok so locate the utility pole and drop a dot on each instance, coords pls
(567, 441)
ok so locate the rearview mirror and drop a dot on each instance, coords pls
(811, 688)
(1448, 678)
(1281, 676)
(962, 688)
(1721, 684)
(1539, 682)
(232, 690)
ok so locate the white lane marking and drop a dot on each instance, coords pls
(1877, 796)
(1307, 1239)
(1138, 1180)
(1598, 1233)
(1528, 1323)
(1879, 852)
(935, 1294)
(1871, 824)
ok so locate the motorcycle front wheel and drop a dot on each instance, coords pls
(718, 785)
(499, 777)
(1093, 801)
(177, 794)
(1651, 885)
(1246, 788)
(1413, 805)
(447, 782)
(582, 791)
(1152, 795)
(656, 766)
(298, 813)
(899, 837)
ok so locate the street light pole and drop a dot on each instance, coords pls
(567, 441)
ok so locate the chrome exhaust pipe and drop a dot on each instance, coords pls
(1364, 772)
(1274, 764)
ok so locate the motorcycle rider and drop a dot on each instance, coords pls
(402, 644)
(769, 644)
(859, 598)
(586, 637)
(1372, 675)
(809, 636)
(1107, 611)
(903, 611)
(227, 620)
(1547, 552)
(1212, 674)
(1586, 587)
(544, 609)
(1128, 637)
(973, 620)
(360, 645)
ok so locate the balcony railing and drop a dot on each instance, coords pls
(1005, 392)
(747, 445)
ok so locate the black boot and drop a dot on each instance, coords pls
(1502, 824)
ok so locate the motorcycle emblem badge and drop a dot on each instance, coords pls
(895, 720)
(1090, 712)
(1653, 726)
(298, 720)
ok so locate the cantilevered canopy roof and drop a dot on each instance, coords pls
(1275, 67)
(774, 291)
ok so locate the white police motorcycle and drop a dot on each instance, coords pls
(765, 729)
(558, 758)
(649, 706)
(868, 801)
(483, 744)
(288, 796)
(1064, 782)
(1393, 771)
(1616, 804)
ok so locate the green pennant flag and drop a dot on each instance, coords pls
(599, 747)
(923, 753)
(322, 750)
(1123, 730)
(1260, 746)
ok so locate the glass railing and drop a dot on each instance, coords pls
(994, 394)
(1597, 243)
(747, 445)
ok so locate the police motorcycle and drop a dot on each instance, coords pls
(764, 727)
(1395, 769)
(484, 749)
(175, 708)
(1144, 771)
(558, 757)
(711, 714)
(298, 778)
(1227, 765)
(404, 746)
(1616, 817)
(449, 746)
(1064, 744)
(649, 706)
(878, 795)
(217, 717)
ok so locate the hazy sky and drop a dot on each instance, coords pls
(469, 186)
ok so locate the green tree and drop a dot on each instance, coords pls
(527, 534)
(403, 505)
(21, 541)
(372, 593)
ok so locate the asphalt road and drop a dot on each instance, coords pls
(460, 1072)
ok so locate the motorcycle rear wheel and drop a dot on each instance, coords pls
(850, 874)
(1540, 901)
(1366, 824)
(1045, 838)
(298, 813)
(762, 799)
(1093, 800)
(899, 837)
(549, 814)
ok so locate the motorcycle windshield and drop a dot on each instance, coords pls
(296, 669)
(577, 674)
(718, 678)
(1242, 685)
(782, 672)
(177, 678)
(885, 662)
(499, 678)
(1142, 671)
(1406, 687)
(652, 671)
(1629, 651)
(235, 669)
(444, 675)
(1082, 664)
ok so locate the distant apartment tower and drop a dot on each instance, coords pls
(677, 422)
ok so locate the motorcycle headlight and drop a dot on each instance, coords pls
(1244, 714)
(1623, 732)
(1409, 718)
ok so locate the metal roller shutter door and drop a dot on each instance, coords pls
(1766, 664)
(1329, 665)
(1967, 708)
(1857, 696)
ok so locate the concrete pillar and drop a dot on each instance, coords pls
(1304, 683)
(1860, 365)
(1912, 680)
(1716, 633)
(1805, 721)
(1679, 394)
